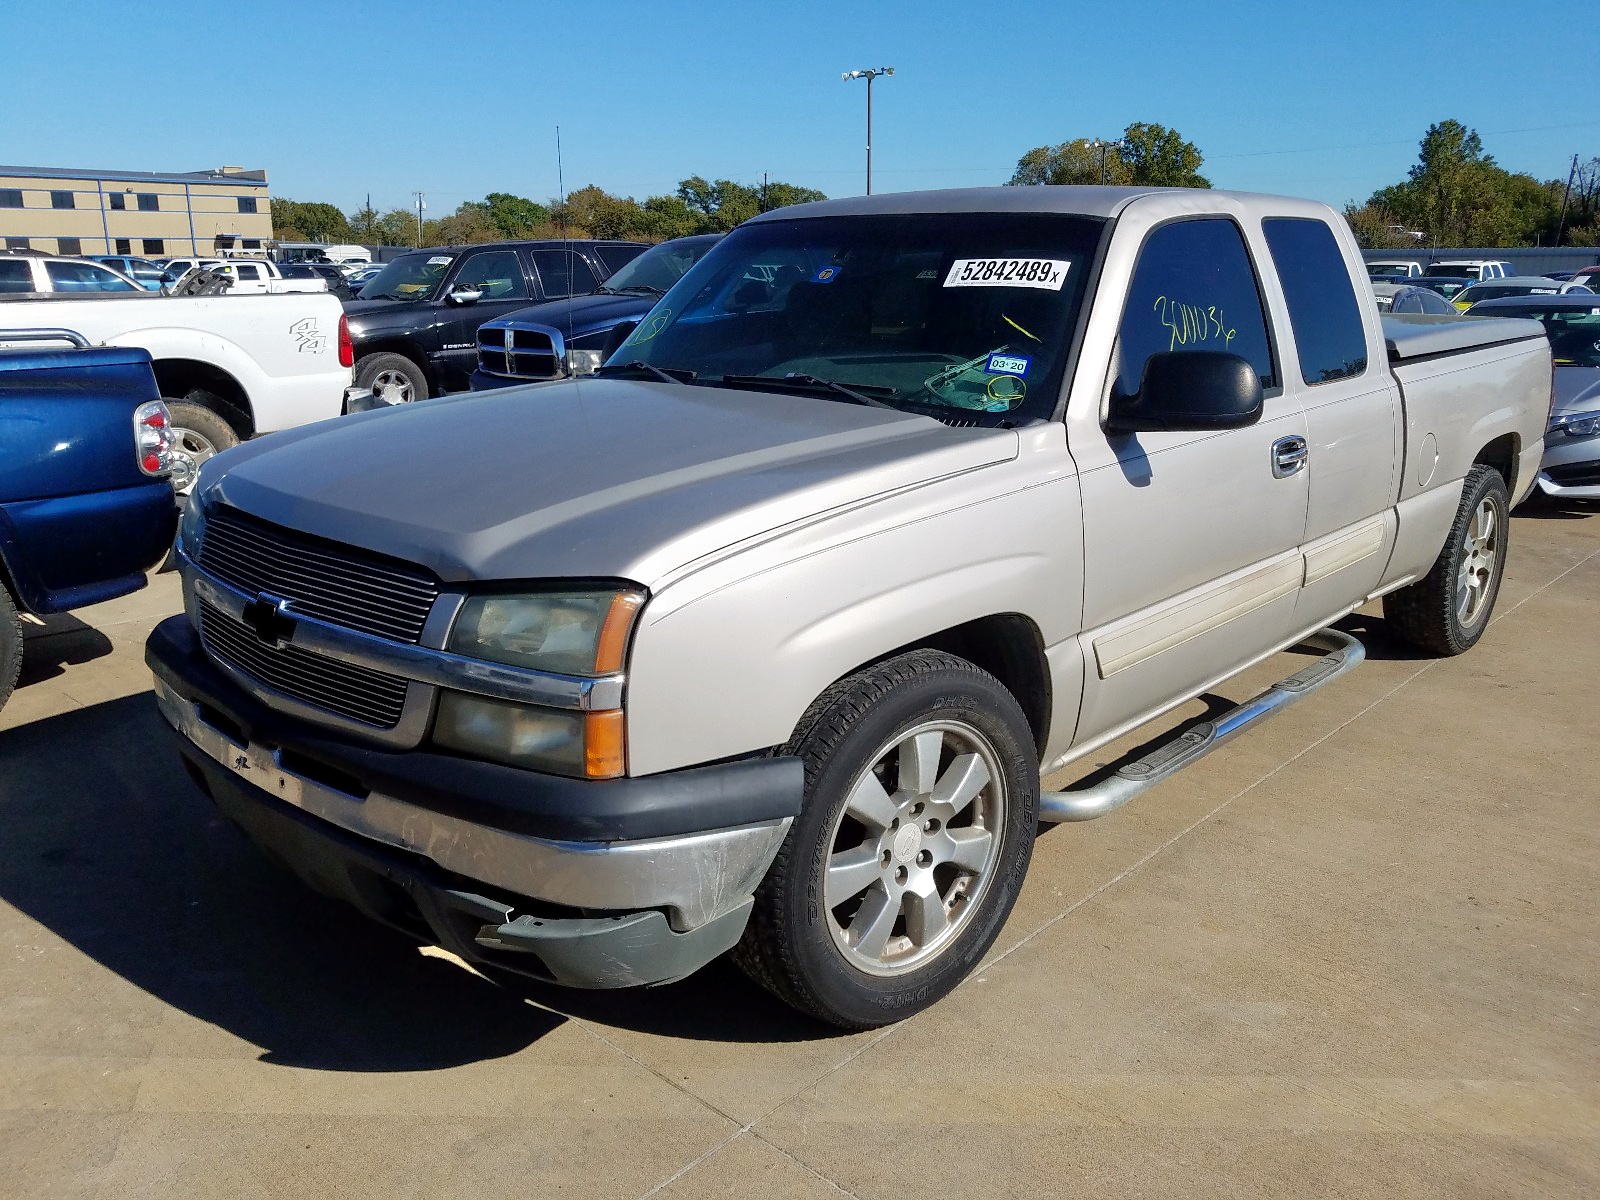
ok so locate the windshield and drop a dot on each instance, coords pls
(1574, 333)
(409, 277)
(658, 268)
(937, 313)
(1460, 270)
(1388, 270)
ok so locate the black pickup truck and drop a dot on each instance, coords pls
(415, 325)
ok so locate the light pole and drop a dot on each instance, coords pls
(1103, 146)
(869, 76)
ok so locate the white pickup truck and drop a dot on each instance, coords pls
(763, 639)
(229, 367)
(259, 276)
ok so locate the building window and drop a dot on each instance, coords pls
(149, 202)
(69, 245)
(18, 244)
(63, 200)
(252, 243)
(155, 246)
(118, 201)
(247, 204)
(10, 197)
(124, 246)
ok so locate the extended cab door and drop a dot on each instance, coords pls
(501, 284)
(1191, 539)
(1337, 365)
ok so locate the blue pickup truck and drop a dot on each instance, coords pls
(85, 504)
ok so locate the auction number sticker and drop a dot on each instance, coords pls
(1046, 273)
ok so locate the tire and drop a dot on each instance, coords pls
(870, 946)
(10, 645)
(200, 433)
(401, 380)
(1446, 611)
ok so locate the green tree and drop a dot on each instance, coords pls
(471, 223)
(312, 221)
(1158, 157)
(398, 227)
(364, 226)
(1146, 155)
(514, 216)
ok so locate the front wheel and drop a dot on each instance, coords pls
(392, 377)
(922, 792)
(1446, 611)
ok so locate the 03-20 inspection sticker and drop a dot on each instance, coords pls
(1046, 273)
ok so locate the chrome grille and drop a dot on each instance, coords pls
(518, 353)
(356, 693)
(348, 587)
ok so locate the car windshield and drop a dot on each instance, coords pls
(1388, 271)
(1449, 269)
(409, 277)
(657, 269)
(1494, 291)
(938, 313)
(1574, 333)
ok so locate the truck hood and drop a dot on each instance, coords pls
(587, 478)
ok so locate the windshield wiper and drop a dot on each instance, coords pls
(667, 375)
(856, 393)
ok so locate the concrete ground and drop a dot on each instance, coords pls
(1355, 953)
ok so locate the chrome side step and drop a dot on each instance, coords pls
(1084, 804)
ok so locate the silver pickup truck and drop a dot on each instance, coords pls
(762, 639)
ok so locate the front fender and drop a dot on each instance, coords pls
(726, 661)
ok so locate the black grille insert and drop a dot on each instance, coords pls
(349, 587)
(356, 693)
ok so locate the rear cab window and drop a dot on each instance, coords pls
(1194, 288)
(1323, 311)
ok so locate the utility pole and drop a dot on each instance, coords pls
(422, 203)
(1562, 223)
(763, 191)
(869, 76)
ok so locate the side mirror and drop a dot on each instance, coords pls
(466, 294)
(168, 277)
(619, 333)
(1190, 390)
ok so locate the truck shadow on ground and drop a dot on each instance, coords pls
(62, 641)
(109, 847)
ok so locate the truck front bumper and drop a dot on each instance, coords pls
(610, 911)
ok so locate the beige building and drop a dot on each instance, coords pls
(134, 212)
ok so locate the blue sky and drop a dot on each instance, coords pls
(460, 98)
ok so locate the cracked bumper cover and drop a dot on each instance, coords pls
(645, 897)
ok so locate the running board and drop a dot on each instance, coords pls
(1086, 803)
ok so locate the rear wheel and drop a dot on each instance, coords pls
(393, 377)
(920, 813)
(198, 434)
(1447, 610)
(10, 645)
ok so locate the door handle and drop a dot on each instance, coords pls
(1288, 456)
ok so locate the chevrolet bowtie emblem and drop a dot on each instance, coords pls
(270, 619)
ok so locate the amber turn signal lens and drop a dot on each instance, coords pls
(612, 648)
(604, 738)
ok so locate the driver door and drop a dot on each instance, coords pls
(1191, 538)
(499, 277)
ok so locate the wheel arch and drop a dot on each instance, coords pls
(1501, 454)
(177, 377)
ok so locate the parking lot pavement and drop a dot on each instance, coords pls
(1352, 954)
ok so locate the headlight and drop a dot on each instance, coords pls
(1576, 425)
(569, 633)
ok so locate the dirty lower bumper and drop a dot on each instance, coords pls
(601, 912)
